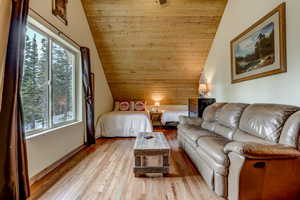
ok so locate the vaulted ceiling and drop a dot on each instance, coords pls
(151, 51)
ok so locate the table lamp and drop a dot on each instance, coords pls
(203, 87)
(157, 104)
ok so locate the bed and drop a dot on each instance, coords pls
(123, 124)
(172, 116)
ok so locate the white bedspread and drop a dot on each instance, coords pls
(123, 124)
(172, 115)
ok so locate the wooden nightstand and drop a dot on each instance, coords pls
(156, 119)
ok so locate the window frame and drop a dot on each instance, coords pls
(55, 38)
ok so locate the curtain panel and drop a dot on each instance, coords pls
(14, 183)
(5, 13)
(89, 98)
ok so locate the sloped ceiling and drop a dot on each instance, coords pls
(150, 51)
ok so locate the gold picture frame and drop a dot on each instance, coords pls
(59, 9)
(260, 50)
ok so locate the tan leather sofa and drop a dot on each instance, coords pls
(246, 151)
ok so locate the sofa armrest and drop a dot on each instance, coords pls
(262, 151)
(184, 120)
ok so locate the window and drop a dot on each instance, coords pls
(48, 87)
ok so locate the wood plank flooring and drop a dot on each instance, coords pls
(105, 172)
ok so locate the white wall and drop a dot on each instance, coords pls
(282, 88)
(45, 149)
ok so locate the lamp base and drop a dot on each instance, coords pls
(202, 96)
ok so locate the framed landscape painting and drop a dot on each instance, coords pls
(260, 50)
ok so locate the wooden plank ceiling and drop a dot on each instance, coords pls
(150, 51)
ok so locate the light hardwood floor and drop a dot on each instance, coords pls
(104, 172)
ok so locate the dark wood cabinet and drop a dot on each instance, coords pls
(198, 105)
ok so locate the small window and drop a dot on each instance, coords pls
(48, 87)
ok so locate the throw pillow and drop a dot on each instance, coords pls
(139, 106)
(124, 106)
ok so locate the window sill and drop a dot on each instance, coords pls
(52, 130)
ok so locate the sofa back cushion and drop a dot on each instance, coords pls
(228, 118)
(291, 130)
(209, 116)
(266, 120)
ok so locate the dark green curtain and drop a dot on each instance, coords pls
(14, 183)
(89, 98)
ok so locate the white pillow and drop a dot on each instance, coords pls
(117, 106)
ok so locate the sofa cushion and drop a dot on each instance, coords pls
(209, 125)
(266, 120)
(224, 131)
(193, 133)
(209, 114)
(229, 115)
(195, 121)
(242, 136)
(208, 160)
(228, 118)
(290, 131)
(214, 147)
(202, 165)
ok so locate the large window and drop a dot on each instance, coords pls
(48, 88)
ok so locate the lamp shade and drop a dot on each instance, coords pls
(157, 104)
(203, 87)
(202, 79)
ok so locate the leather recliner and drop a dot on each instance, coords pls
(246, 151)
